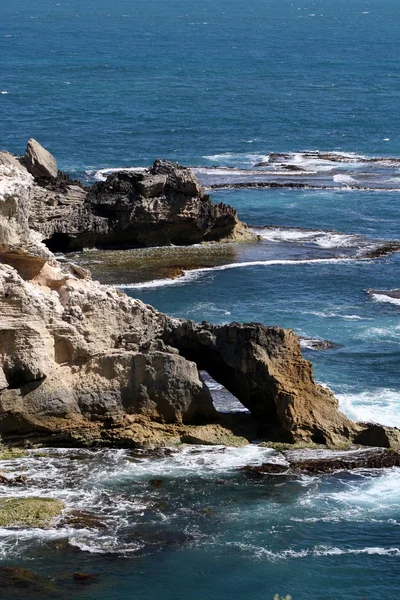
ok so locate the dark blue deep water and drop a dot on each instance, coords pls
(222, 83)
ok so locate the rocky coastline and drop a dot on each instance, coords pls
(154, 207)
(83, 364)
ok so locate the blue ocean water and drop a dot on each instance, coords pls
(223, 84)
(107, 84)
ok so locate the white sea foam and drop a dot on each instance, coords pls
(236, 159)
(261, 552)
(329, 314)
(223, 171)
(193, 274)
(345, 179)
(314, 161)
(374, 498)
(324, 239)
(385, 298)
(94, 543)
(201, 461)
(377, 406)
(102, 174)
(259, 263)
(155, 283)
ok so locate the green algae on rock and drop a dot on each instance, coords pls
(29, 512)
(11, 453)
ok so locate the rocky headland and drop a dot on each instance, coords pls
(83, 364)
(154, 207)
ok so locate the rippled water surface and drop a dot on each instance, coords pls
(193, 524)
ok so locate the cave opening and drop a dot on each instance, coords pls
(58, 242)
(224, 401)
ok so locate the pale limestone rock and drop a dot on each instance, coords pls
(39, 162)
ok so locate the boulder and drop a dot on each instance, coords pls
(39, 162)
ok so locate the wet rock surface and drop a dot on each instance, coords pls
(321, 461)
(29, 512)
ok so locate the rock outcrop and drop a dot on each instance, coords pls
(264, 368)
(313, 461)
(85, 363)
(159, 206)
(84, 351)
(39, 162)
(19, 245)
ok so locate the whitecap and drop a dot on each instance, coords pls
(381, 297)
(155, 283)
(381, 405)
(345, 179)
(283, 262)
(195, 273)
(324, 239)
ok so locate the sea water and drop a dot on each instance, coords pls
(220, 86)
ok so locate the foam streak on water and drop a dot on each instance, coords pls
(189, 276)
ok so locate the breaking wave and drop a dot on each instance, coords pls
(381, 406)
(390, 297)
(195, 273)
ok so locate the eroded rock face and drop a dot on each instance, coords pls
(264, 368)
(19, 245)
(88, 351)
(162, 205)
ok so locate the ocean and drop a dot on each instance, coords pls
(311, 90)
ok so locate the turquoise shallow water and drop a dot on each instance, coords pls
(223, 84)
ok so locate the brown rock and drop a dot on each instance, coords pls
(264, 368)
(326, 461)
(160, 206)
(85, 578)
(156, 483)
(84, 362)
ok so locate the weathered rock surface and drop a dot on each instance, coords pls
(19, 245)
(264, 368)
(89, 351)
(86, 364)
(39, 162)
(162, 205)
